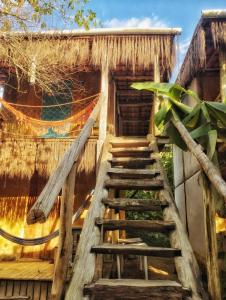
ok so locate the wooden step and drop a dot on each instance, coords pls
(131, 151)
(133, 173)
(151, 225)
(136, 289)
(127, 143)
(135, 204)
(134, 162)
(135, 250)
(141, 184)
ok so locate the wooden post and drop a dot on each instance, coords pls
(64, 251)
(155, 107)
(103, 109)
(222, 57)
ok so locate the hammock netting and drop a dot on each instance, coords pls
(56, 120)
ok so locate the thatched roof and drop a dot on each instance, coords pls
(209, 36)
(130, 47)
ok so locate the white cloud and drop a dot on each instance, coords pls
(135, 23)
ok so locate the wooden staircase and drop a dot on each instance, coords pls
(134, 166)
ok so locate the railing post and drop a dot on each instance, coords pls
(223, 74)
(103, 109)
(155, 106)
(64, 251)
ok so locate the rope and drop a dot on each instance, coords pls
(53, 105)
(45, 239)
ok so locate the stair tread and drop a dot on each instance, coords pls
(136, 288)
(152, 172)
(136, 249)
(124, 142)
(128, 159)
(148, 184)
(151, 225)
(135, 204)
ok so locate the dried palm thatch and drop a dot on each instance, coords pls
(218, 30)
(49, 59)
(195, 58)
(20, 158)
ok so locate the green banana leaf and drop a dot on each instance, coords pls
(212, 142)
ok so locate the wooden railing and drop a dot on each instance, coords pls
(45, 202)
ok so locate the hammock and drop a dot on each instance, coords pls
(45, 239)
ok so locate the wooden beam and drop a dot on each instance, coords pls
(45, 202)
(137, 289)
(222, 57)
(155, 107)
(103, 109)
(134, 78)
(64, 251)
(150, 225)
(84, 268)
(140, 104)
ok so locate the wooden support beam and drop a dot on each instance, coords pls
(85, 261)
(64, 251)
(222, 57)
(103, 117)
(45, 202)
(155, 107)
(142, 184)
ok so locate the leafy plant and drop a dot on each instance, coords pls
(205, 122)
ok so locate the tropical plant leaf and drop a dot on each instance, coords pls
(192, 118)
(205, 112)
(160, 116)
(212, 141)
(200, 131)
(175, 137)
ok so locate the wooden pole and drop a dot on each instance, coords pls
(155, 107)
(85, 261)
(208, 167)
(222, 58)
(64, 251)
(104, 108)
(42, 207)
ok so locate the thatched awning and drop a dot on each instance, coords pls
(130, 47)
(208, 38)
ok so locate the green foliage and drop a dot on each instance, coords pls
(205, 121)
(39, 13)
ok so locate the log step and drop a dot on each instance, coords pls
(150, 225)
(133, 173)
(126, 184)
(132, 162)
(135, 204)
(131, 151)
(129, 143)
(136, 249)
(136, 289)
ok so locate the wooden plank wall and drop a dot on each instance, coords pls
(36, 290)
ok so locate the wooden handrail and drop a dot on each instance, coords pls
(45, 202)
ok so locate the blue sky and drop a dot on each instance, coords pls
(155, 13)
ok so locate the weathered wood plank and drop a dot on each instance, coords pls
(134, 204)
(134, 288)
(135, 250)
(133, 173)
(129, 143)
(14, 297)
(64, 252)
(150, 225)
(42, 207)
(131, 152)
(146, 184)
(132, 161)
